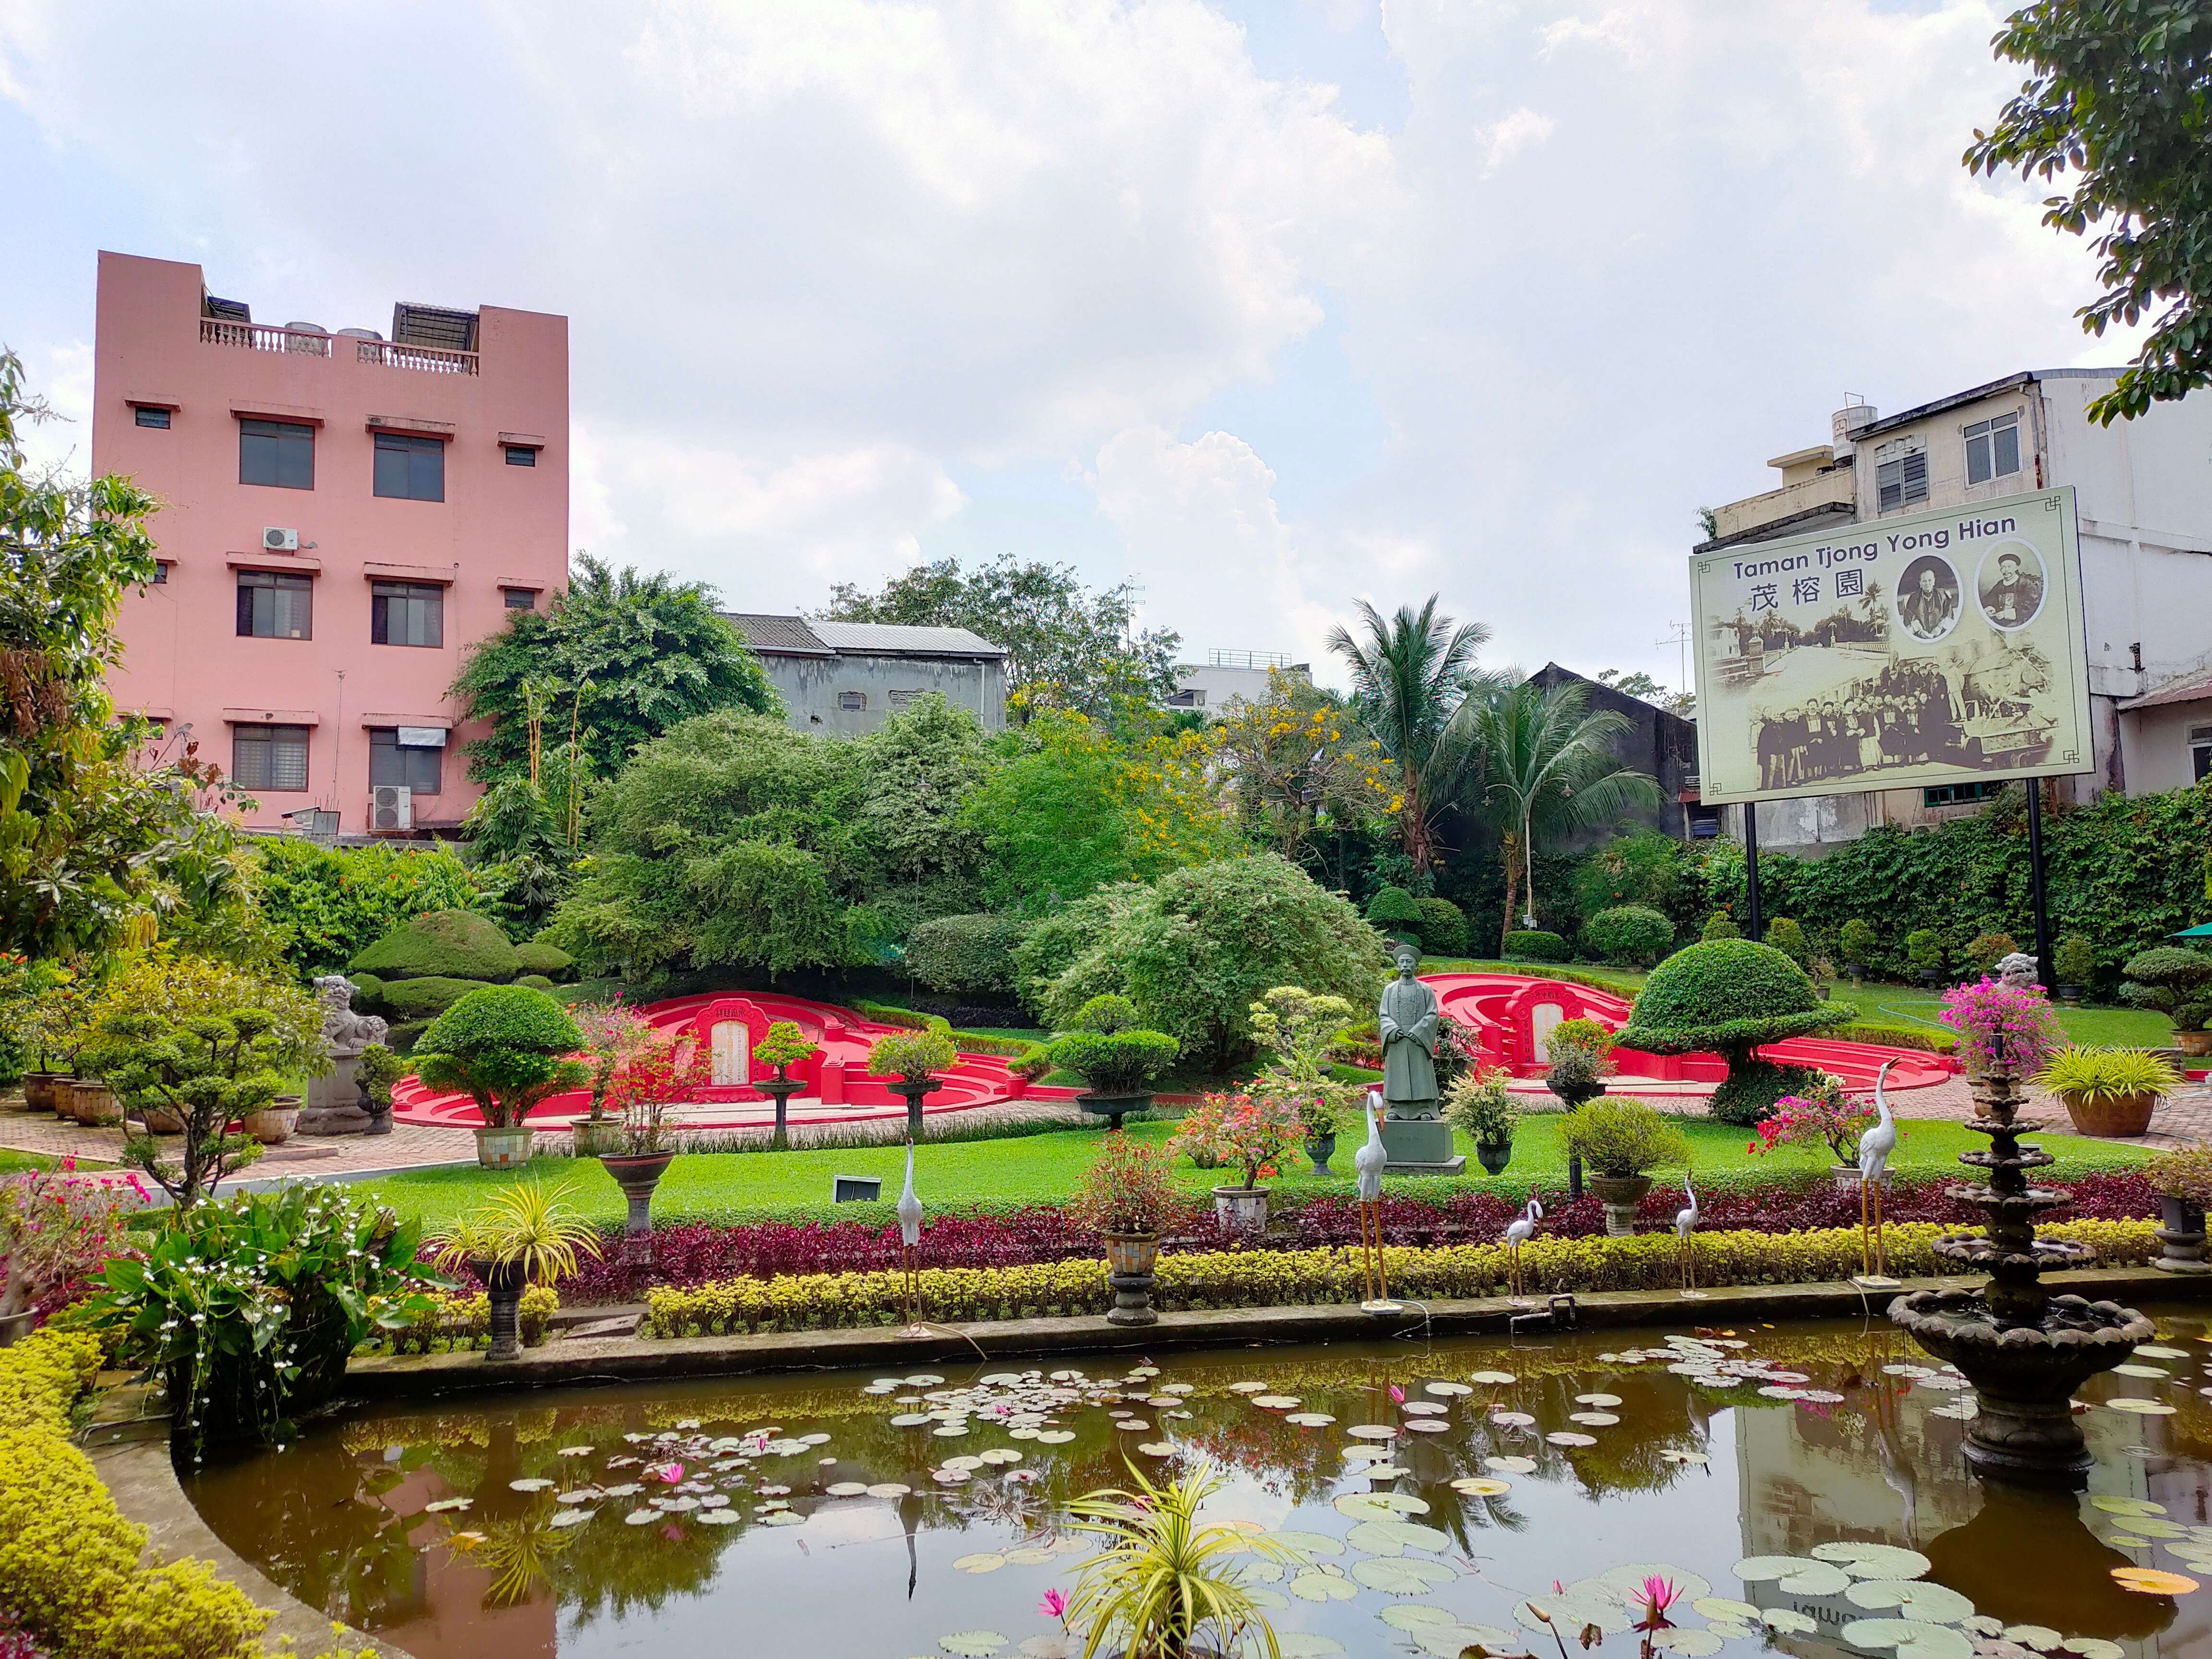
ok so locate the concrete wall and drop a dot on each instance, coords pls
(499, 525)
(810, 687)
(2158, 750)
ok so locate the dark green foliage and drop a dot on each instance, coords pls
(2173, 981)
(536, 981)
(1731, 995)
(1923, 948)
(1858, 942)
(367, 993)
(1985, 950)
(1444, 927)
(1787, 937)
(653, 649)
(451, 944)
(1050, 944)
(421, 999)
(1751, 1087)
(1719, 926)
(2075, 959)
(1644, 868)
(1534, 944)
(1575, 1076)
(538, 957)
(1107, 1014)
(504, 1046)
(1393, 908)
(376, 1071)
(1124, 1062)
(329, 904)
(965, 956)
(1628, 935)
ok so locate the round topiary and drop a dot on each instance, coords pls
(1107, 1014)
(1720, 924)
(506, 1047)
(535, 982)
(1787, 937)
(1746, 1097)
(443, 943)
(367, 993)
(1535, 945)
(1628, 935)
(1728, 995)
(422, 999)
(1393, 908)
(1444, 927)
(550, 960)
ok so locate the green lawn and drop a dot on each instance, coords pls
(1041, 1168)
(15, 1163)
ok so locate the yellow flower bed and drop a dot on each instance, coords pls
(68, 1561)
(1264, 1279)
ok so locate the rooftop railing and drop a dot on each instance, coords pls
(304, 343)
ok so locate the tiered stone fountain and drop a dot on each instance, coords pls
(2024, 1350)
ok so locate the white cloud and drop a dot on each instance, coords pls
(1508, 137)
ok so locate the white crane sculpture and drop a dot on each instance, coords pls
(1686, 1223)
(1369, 1162)
(909, 1221)
(1874, 1147)
(1520, 1233)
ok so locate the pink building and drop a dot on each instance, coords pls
(343, 515)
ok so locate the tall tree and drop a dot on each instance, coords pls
(1297, 759)
(1546, 763)
(2120, 95)
(1069, 647)
(616, 661)
(1409, 677)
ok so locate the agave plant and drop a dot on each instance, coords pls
(1167, 1585)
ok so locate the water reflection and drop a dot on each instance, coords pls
(805, 1518)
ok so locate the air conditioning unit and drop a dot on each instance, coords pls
(391, 807)
(280, 541)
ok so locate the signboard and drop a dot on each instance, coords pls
(1934, 649)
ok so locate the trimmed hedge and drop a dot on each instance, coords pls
(535, 982)
(1259, 1279)
(538, 957)
(1727, 993)
(1628, 935)
(1393, 909)
(965, 956)
(1534, 945)
(443, 943)
(1444, 927)
(421, 999)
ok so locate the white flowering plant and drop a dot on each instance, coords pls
(246, 1308)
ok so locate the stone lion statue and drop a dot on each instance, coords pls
(346, 1031)
(2019, 971)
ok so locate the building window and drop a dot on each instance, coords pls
(275, 606)
(406, 613)
(277, 452)
(160, 572)
(1901, 483)
(269, 757)
(519, 599)
(906, 699)
(521, 455)
(2200, 752)
(410, 469)
(391, 762)
(852, 700)
(1189, 698)
(1962, 794)
(1993, 448)
(148, 415)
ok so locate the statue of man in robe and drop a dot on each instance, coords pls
(1410, 1022)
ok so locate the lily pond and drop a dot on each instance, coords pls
(1798, 1487)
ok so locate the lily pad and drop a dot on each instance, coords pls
(784, 1518)
(1795, 1574)
(1373, 1431)
(1309, 1419)
(2041, 1637)
(1788, 1621)
(2115, 1506)
(1564, 1437)
(1310, 1545)
(2093, 1647)
(2146, 1581)
(2152, 1373)
(1157, 1448)
(1449, 1641)
(1692, 1643)
(1494, 1379)
(1277, 1402)
(1261, 1596)
(1873, 1560)
(1721, 1608)
(1322, 1586)
(716, 1517)
(982, 1561)
(535, 1483)
(972, 1643)
(1379, 1506)
(1391, 1537)
(1603, 1402)
(1912, 1637)
(575, 1517)
(1306, 1645)
(643, 1517)
(1412, 1615)
(1672, 1456)
(1510, 1465)
(1448, 1389)
(1593, 1420)
(1403, 1576)
(2136, 1407)
(1914, 1598)
(443, 1504)
(889, 1489)
(1477, 1486)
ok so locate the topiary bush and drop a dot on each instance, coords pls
(1787, 937)
(550, 960)
(443, 943)
(965, 956)
(1444, 927)
(535, 982)
(1115, 1063)
(1985, 950)
(507, 1048)
(1534, 944)
(1858, 943)
(1628, 936)
(1720, 925)
(1923, 948)
(1746, 1096)
(421, 999)
(2075, 959)
(2171, 980)
(1394, 910)
(367, 993)
(1727, 996)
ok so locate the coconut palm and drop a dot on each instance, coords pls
(1410, 675)
(1544, 761)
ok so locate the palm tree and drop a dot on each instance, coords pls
(1546, 763)
(1409, 679)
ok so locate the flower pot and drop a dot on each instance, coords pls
(1622, 1196)
(95, 1104)
(1130, 1258)
(2070, 995)
(2182, 1234)
(637, 1174)
(1932, 976)
(160, 1120)
(597, 1137)
(38, 1091)
(2120, 1119)
(1242, 1209)
(2193, 1042)
(503, 1148)
(273, 1124)
(781, 1089)
(1113, 1107)
(15, 1326)
(1132, 1253)
(1319, 1151)
(1493, 1159)
(503, 1286)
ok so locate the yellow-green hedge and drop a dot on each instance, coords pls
(465, 1322)
(1260, 1279)
(68, 1561)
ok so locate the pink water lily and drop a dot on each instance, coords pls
(1397, 1393)
(1054, 1605)
(1657, 1593)
(672, 1473)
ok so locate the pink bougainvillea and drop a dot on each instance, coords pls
(1988, 1010)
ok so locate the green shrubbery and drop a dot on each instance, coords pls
(1731, 995)
(328, 904)
(1110, 1051)
(506, 1047)
(2173, 982)
(538, 957)
(1534, 944)
(1444, 927)
(965, 956)
(1628, 935)
(2075, 960)
(1857, 943)
(1720, 925)
(443, 943)
(412, 998)
(1787, 937)
(1395, 911)
(1748, 1094)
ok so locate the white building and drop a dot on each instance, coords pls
(2143, 491)
(1208, 686)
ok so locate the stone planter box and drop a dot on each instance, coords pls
(38, 1090)
(92, 1104)
(2121, 1119)
(2193, 1042)
(504, 1149)
(1622, 1196)
(1242, 1209)
(274, 1123)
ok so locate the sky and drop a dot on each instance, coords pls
(1263, 308)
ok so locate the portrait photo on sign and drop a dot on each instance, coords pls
(1928, 598)
(2010, 584)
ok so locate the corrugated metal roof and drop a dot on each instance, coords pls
(2189, 688)
(892, 639)
(786, 636)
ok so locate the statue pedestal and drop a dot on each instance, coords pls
(1420, 1146)
(334, 1103)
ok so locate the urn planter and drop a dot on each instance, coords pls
(1113, 1107)
(914, 1090)
(1493, 1158)
(504, 1149)
(2181, 1231)
(15, 1326)
(2070, 995)
(1130, 1261)
(504, 1283)
(2193, 1042)
(1242, 1209)
(38, 1090)
(781, 1089)
(95, 1106)
(273, 1124)
(2119, 1118)
(1622, 1196)
(1319, 1151)
(637, 1174)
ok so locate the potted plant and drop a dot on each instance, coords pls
(2076, 962)
(1163, 1584)
(377, 1071)
(1923, 948)
(1321, 1105)
(523, 1235)
(1253, 1133)
(1128, 1196)
(1577, 1074)
(1989, 1011)
(781, 1048)
(909, 1061)
(1857, 940)
(57, 1232)
(44, 1017)
(2182, 1181)
(1300, 1030)
(272, 1124)
(2109, 1092)
(1117, 1060)
(1620, 1141)
(664, 1070)
(2177, 983)
(611, 1032)
(507, 1047)
(1823, 1116)
(1479, 1106)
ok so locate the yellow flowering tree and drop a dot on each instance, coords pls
(1296, 761)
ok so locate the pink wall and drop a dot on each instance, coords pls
(499, 524)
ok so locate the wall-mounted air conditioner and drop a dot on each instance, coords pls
(274, 540)
(391, 807)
